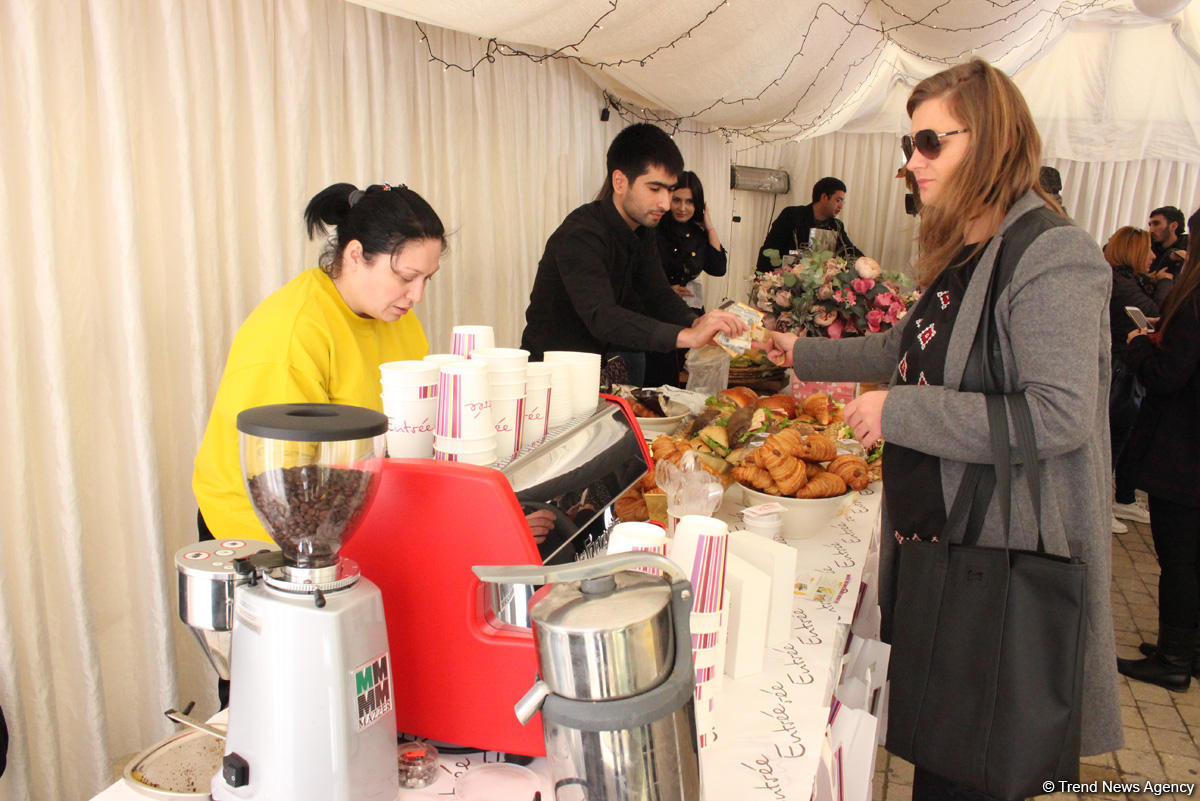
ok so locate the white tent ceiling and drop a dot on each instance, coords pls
(1105, 80)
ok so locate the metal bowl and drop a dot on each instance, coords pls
(181, 766)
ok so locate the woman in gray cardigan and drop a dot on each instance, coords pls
(976, 155)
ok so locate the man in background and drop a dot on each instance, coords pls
(1169, 245)
(792, 229)
(600, 286)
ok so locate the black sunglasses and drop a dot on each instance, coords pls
(927, 142)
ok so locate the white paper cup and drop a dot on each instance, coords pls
(410, 426)
(466, 338)
(537, 407)
(473, 450)
(560, 393)
(464, 401)
(444, 358)
(508, 415)
(584, 379)
(635, 536)
(502, 356)
(409, 380)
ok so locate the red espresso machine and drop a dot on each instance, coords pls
(464, 651)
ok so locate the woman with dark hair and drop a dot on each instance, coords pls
(1128, 252)
(322, 336)
(1164, 457)
(976, 153)
(688, 242)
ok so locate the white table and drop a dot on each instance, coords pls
(770, 725)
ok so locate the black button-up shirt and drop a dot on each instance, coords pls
(599, 287)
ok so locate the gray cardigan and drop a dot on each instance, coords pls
(1052, 322)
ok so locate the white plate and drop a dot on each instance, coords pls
(181, 766)
(653, 426)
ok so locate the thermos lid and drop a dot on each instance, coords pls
(607, 637)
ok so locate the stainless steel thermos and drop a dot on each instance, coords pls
(617, 679)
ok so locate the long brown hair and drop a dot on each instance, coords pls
(1185, 287)
(1128, 247)
(1002, 162)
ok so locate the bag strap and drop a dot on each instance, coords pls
(981, 481)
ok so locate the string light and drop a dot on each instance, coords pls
(788, 126)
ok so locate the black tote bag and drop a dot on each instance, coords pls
(987, 660)
(986, 666)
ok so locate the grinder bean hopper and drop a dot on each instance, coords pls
(311, 710)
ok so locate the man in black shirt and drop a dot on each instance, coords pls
(1169, 245)
(600, 286)
(793, 227)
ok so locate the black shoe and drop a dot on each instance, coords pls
(1150, 649)
(1171, 664)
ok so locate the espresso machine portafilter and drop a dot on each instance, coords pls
(617, 678)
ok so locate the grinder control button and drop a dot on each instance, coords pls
(235, 771)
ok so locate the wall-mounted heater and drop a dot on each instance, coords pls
(758, 179)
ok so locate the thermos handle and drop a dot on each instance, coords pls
(578, 571)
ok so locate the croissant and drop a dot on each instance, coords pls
(817, 406)
(817, 449)
(663, 447)
(822, 485)
(752, 475)
(786, 441)
(648, 481)
(786, 470)
(851, 469)
(812, 468)
(631, 507)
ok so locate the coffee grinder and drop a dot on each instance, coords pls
(311, 711)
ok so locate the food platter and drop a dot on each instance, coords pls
(802, 517)
(652, 426)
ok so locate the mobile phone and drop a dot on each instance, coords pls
(1138, 318)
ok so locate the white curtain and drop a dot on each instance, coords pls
(157, 157)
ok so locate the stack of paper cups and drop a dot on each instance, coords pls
(466, 338)
(537, 403)
(560, 393)
(410, 393)
(638, 537)
(585, 378)
(699, 547)
(506, 381)
(444, 358)
(464, 431)
(765, 520)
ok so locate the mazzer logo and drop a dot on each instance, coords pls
(373, 690)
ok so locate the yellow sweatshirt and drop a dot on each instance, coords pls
(301, 344)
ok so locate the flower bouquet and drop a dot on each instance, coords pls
(819, 294)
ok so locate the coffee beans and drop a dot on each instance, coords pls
(308, 509)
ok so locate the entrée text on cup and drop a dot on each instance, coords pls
(405, 427)
(478, 408)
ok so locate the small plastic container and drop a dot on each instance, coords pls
(497, 780)
(417, 763)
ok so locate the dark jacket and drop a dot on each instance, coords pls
(1130, 289)
(686, 252)
(791, 229)
(1164, 447)
(599, 287)
(1162, 256)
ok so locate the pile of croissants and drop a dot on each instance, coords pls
(790, 464)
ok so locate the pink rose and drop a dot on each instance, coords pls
(783, 298)
(866, 267)
(835, 329)
(885, 299)
(894, 313)
(863, 285)
(875, 319)
(825, 291)
(850, 298)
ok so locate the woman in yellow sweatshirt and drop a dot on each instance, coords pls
(322, 336)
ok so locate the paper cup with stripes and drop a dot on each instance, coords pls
(469, 450)
(559, 411)
(537, 403)
(464, 406)
(410, 403)
(635, 536)
(508, 415)
(699, 548)
(466, 338)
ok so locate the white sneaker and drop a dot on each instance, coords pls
(1118, 527)
(1131, 511)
